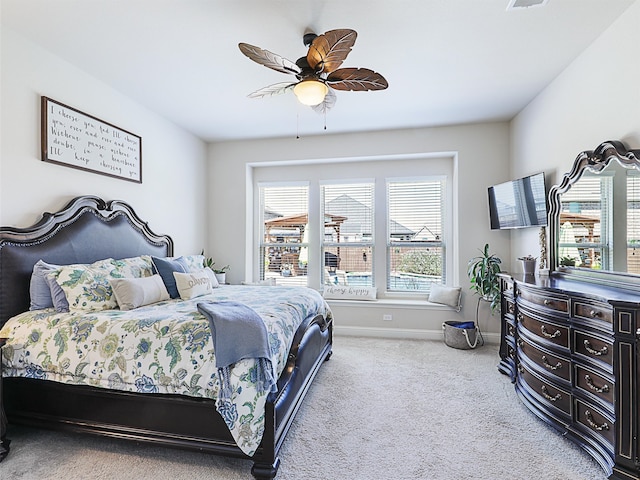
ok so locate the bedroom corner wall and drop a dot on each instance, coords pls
(482, 156)
(597, 98)
(172, 197)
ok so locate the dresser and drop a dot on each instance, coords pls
(570, 348)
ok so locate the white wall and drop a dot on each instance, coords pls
(172, 197)
(596, 98)
(482, 160)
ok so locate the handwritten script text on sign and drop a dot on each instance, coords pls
(85, 142)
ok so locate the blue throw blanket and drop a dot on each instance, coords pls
(239, 333)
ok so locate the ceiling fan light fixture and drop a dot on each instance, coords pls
(310, 92)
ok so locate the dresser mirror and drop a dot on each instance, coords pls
(594, 216)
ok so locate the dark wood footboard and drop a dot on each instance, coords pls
(172, 420)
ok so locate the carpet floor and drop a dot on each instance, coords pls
(379, 409)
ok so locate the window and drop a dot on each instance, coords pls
(322, 223)
(284, 244)
(415, 244)
(347, 245)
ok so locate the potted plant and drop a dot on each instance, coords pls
(528, 264)
(568, 261)
(483, 273)
(221, 273)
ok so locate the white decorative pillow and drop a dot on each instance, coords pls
(446, 295)
(212, 277)
(136, 292)
(87, 287)
(194, 284)
(345, 292)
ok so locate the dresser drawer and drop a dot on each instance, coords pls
(594, 348)
(593, 311)
(552, 302)
(548, 331)
(548, 362)
(548, 393)
(594, 384)
(594, 420)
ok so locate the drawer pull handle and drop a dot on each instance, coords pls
(603, 351)
(547, 302)
(594, 425)
(545, 394)
(544, 331)
(519, 316)
(590, 384)
(595, 313)
(546, 363)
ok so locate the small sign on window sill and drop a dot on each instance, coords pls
(346, 292)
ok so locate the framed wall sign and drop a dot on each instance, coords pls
(77, 140)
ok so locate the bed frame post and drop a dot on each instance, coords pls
(267, 462)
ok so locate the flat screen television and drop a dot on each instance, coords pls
(518, 203)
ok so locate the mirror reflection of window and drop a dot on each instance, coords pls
(633, 221)
(586, 222)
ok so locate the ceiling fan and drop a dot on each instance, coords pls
(318, 73)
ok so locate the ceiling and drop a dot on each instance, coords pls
(446, 61)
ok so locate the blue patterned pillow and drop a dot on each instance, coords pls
(87, 286)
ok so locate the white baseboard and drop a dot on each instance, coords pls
(415, 334)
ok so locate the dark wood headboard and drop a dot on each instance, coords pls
(87, 229)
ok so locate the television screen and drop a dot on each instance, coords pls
(518, 203)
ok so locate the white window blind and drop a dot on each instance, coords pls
(284, 244)
(348, 225)
(415, 241)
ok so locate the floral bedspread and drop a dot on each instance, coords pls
(160, 348)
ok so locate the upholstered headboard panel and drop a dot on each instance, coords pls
(85, 230)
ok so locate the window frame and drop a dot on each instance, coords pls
(434, 164)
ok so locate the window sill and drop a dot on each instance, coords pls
(390, 302)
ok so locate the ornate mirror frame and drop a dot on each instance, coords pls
(593, 161)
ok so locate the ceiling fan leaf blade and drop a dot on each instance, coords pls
(356, 79)
(328, 103)
(329, 50)
(272, 90)
(269, 59)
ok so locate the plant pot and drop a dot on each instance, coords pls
(529, 267)
(221, 277)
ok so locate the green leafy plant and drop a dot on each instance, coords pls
(568, 261)
(483, 273)
(208, 262)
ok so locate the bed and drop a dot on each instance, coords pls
(180, 412)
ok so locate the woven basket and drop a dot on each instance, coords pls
(462, 335)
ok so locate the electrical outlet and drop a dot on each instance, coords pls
(387, 317)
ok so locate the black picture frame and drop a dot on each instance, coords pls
(78, 140)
